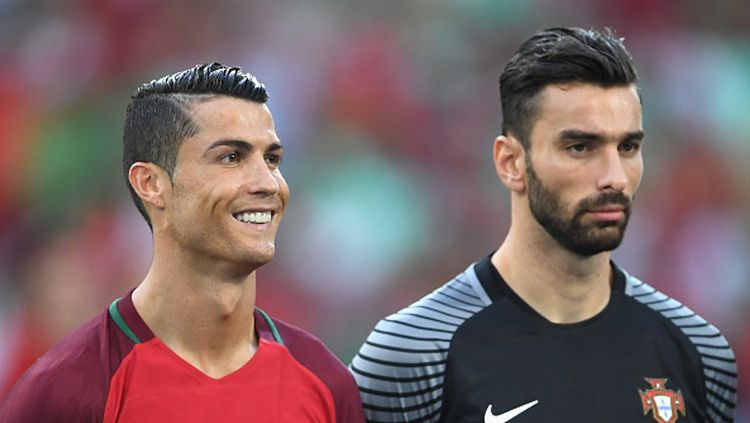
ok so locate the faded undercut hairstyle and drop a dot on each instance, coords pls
(555, 56)
(158, 118)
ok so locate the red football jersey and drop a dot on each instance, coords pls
(113, 369)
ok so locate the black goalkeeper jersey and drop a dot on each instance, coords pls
(474, 351)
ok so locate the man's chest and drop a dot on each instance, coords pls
(593, 374)
(153, 385)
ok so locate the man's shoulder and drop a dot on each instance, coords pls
(426, 326)
(656, 304)
(316, 357)
(400, 368)
(310, 351)
(711, 349)
(76, 352)
(66, 382)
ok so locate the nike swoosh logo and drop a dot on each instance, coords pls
(508, 415)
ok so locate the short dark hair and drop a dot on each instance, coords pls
(158, 118)
(554, 56)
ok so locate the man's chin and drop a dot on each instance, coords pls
(258, 256)
(592, 247)
(263, 257)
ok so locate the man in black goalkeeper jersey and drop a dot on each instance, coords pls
(547, 328)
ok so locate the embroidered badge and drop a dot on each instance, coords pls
(662, 402)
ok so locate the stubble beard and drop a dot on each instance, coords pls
(572, 233)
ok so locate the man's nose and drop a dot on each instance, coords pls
(613, 175)
(261, 178)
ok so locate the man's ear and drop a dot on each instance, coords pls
(510, 163)
(150, 182)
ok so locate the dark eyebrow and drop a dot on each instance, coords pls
(242, 145)
(576, 135)
(276, 146)
(634, 136)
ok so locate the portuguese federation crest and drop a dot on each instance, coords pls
(662, 402)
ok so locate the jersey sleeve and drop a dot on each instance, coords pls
(717, 359)
(318, 359)
(40, 397)
(400, 378)
(66, 385)
(400, 369)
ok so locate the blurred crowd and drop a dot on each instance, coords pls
(387, 110)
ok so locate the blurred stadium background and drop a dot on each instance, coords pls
(387, 110)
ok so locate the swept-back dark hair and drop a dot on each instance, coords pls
(554, 56)
(158, 118)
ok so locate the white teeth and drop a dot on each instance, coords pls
(256, 217)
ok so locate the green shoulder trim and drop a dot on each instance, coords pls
(271, 325)
(120, 322)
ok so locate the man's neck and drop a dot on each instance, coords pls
(560, 285)
(205, 319)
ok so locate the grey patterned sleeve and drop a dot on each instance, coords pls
(400, 368)
(717, 358)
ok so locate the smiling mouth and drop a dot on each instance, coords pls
(254, 217)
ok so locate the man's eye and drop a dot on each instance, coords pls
(629, 147)
(229, 158)
(578, 148)
(273, 159)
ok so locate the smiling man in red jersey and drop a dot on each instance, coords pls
(188, 344)
(547, 328)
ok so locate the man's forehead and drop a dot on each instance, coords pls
(229, 116)
(572, 90)
(209, 107)
(588, 102)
